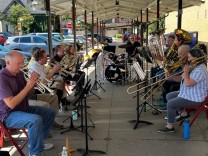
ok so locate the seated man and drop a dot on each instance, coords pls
(131, 49)
(173, 83)
(158, 71)
(46, 100)
(15, 111)
(40, 57)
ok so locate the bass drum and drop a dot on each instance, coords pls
(115, 73)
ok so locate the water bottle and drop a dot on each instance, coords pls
(61, 107)
(74, 115)
(186, 129)
(64, 152)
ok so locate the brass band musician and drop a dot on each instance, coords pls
(40, 59)
(71, 63)
(193, 89)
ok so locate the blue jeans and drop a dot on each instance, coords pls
(37, 120)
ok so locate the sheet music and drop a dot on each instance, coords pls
(139, 70)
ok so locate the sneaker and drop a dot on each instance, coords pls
(57, 126)
(166, 130)
(48, 146)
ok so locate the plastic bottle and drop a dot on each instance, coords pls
(61, 107)
(186, 129)
(74, 115)
(64, 152)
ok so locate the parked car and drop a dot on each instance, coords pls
(55, 36)
(29, 42)
(70, 39)
(5, 34)
(2, 40)
(4, 51)
(98, 38)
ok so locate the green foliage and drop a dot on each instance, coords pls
(79, 23)
(153, 27)
(16, 12)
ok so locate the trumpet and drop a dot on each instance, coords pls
(40, 85)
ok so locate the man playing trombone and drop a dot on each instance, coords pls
(173, 83)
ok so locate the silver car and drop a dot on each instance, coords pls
(29, 42)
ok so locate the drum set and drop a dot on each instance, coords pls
(117, 69)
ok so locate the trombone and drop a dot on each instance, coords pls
(145, 97)
(192, 63)
(40, 85)
(168, 69)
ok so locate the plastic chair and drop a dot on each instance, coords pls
(6, 131)
(203, 106)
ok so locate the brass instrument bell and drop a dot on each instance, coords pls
(183, 35)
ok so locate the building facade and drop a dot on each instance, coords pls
(193, 19)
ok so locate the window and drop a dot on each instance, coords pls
(38, 40)
(16, 40)
(25, 40)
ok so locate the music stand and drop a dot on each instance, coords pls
(148, 57)
(86, 151)
(87, 65)
(77, 99)
(137, 121)
(145, 53)
(110, 48)
(94, 86)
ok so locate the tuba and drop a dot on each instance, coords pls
(172, 54)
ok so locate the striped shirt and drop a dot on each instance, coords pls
(198, 92)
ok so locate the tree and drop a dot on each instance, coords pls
(152, 27)
(15, 13)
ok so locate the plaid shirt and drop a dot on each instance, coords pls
(198, 92)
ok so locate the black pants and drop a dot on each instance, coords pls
(76, 78)
(169, 86)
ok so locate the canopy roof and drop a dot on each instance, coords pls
(130, 9)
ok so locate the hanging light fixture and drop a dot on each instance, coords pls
(117, 2)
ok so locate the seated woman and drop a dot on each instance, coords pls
(71, 62)
(193, 89)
